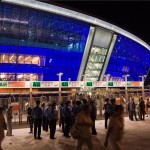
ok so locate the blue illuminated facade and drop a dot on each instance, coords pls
(57, 41)
(128, 57)
(42, 43)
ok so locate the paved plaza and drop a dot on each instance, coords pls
(137, 137)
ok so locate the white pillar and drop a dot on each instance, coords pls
(59, 76)
(31, 99)
(85, 93)
(107, 81)
(126, 87)
(143, 94)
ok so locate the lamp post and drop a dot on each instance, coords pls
(143, 94)
(126, 87)
(107, 77)
(31, 100)
(59, 76)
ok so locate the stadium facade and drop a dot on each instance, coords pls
(43, 40)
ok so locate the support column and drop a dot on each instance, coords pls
(143, 93)
(126, 87)
(31, 99)
(59, 76)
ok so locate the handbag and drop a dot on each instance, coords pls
(74, 131)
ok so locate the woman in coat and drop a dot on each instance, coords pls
(116, 129)
(84, 123)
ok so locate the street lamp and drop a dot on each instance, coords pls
(31, 100)
(107, 79)
(126, 87)
(59, 76)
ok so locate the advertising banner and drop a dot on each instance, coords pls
(49, 84)
(16, 84)
(76, 84)
(99, 84)
(134, 84)
(119, 84)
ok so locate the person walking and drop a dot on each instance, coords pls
(9, 118)
(61, 121)
(93, 116)
(84, 123)
(37, 116)
(67, 118)
(116, 129)
(46, 115)
(106, 109)
(132, 109)
(142, 109)
(2, 127)
(52, 117)
(146, 107)
(30, 118)
(43, 117)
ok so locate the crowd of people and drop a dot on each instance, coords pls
(80, 114)
(138, 111)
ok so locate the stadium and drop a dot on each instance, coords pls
(44, 40)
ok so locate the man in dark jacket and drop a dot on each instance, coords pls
(37, 116)
(67, 118)
(142, 109)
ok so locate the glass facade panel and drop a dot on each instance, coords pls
(128, 57)
(95, 63)
(39, 42)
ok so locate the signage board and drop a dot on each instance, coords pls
(110, 84)
(16, 84)
(64, 84)
(119, 84)
(89, 83)
(99, 84)
(36, 84)
(3, 84)
(49, 84)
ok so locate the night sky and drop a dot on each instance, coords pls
(132, 16)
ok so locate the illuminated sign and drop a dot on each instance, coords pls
(36, 84)
(64, 84)
(3, 84)
(110, 84)
(89, 84)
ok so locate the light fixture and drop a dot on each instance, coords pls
(20, 57)
(36, 58)
(27, 58)
(11, 57)
(60, 74)
(3, 56)
(2, 75)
